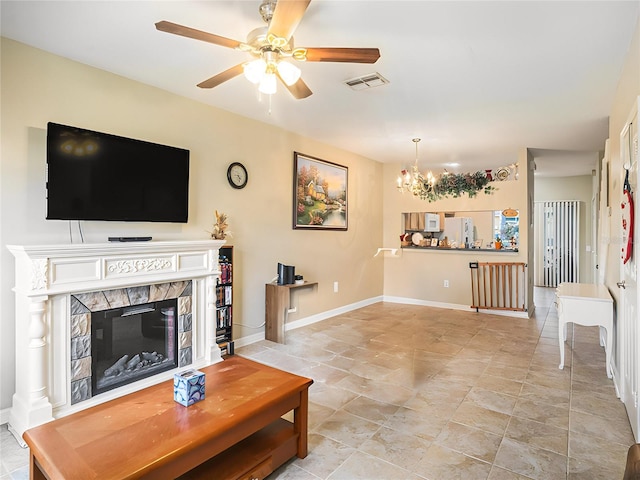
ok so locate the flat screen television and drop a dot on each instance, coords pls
(99, 176)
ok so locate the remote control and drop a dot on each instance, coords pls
(129, 239)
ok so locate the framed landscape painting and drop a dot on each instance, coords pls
(319, 194)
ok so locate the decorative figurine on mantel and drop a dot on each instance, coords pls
(220, 227)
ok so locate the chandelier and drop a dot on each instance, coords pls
(432, 187)
(415, 182)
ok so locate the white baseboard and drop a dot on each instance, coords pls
(4, 415)
(533, 310)
(331, 313)
(617, 384)
(452, 306)
(248, 340)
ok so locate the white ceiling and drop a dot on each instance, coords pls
(477, 81)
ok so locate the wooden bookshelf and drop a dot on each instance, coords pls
(224, 302)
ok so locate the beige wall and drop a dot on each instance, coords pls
(578, 188)
(418, 275)
(38, 87)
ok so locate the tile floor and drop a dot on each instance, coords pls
(14, 460)
(410, 393)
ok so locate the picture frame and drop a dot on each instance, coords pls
(434, 242)
(320, 194)
(477, 243)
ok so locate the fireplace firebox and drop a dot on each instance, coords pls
(132, 343)
(121, 336)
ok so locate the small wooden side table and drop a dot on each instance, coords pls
(277, 306)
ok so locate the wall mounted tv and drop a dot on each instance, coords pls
(98, 176)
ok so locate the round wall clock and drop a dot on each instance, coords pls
(237, 175)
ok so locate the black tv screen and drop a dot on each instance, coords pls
(98, 176)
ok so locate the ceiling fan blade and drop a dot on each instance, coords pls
(286, 17)
(351, 55)
(299, 89)
(222, 77)
(176, 29)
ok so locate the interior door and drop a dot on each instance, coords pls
(627, 313)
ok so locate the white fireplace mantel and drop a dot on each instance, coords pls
(45, 277)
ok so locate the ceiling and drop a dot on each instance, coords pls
(476, 81)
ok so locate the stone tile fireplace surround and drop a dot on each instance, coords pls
(51, 279)
(83, 305)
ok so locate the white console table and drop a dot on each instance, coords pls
(586, 304)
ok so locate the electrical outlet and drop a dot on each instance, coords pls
(446, 284)
(335, 287)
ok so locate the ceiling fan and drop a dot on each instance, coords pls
(271, 47)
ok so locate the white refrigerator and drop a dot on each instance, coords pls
(459, 230)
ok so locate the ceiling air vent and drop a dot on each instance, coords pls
(369, 80)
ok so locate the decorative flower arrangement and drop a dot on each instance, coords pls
(432, 188)
(220, 227)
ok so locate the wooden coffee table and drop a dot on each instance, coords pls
(235, 432)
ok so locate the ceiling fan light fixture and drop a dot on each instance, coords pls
(255, 70)
(268, 84)
(269, 45)
(289, 73)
